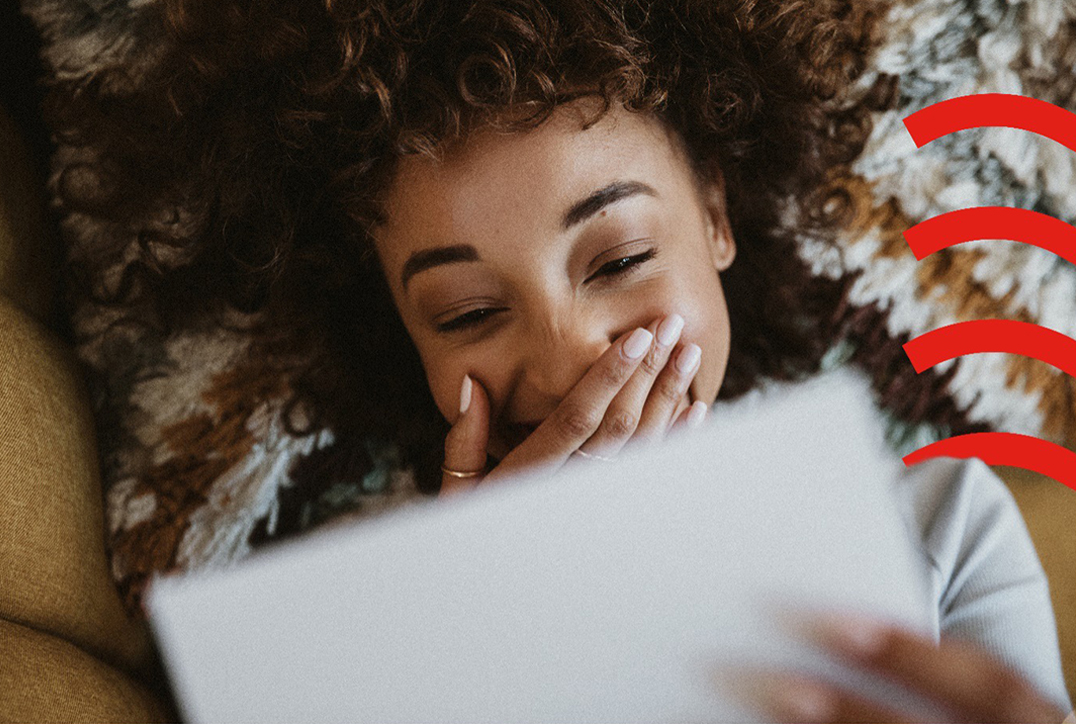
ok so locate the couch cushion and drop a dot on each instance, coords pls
(68, 642)
(53, 567)
(47, 679)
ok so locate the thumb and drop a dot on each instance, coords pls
(465, 445)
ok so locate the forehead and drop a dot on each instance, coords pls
(495, 181)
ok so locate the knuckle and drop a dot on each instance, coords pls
(668, 391)
(614, 375)
(653, 362)
(621, 423)
(576, 422)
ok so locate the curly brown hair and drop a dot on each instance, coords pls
(273, 128)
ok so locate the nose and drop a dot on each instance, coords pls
(558, 354)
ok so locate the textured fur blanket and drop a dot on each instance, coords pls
(198, 469)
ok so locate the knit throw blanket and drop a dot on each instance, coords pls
(198, 469)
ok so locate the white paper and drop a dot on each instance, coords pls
(612, 592)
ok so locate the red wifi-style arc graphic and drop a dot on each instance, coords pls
(992, 222)
(1005, 448)
(992, 109)
(1028, 227)
(993, 335)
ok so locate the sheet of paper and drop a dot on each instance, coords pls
(613, 592)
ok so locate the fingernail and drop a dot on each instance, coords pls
(854, 635)
(688, 359)
(638, 343)
(696, 414)
(800, 701)
(669, 330)
(465, 394)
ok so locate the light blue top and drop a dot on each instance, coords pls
(987, 584)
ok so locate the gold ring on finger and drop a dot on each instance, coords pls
(463, 474)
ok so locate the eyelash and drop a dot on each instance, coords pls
(616, 268)
(467, 319)
(624, 265)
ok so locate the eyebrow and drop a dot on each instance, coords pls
(601, 198)
(580, 211)
(428, 258)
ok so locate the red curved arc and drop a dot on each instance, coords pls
(992, 109)
(993, 222)
(992, 335)
(1005, 448)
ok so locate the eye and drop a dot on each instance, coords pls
(469, 319)
(624, 265)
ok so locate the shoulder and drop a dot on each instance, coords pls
(969, 528)
(960, 510)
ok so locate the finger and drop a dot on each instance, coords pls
(955, 675)
(692, 417)
(668, 392)
(465, 444)
(680, 413)
(797, 699)
(580, 413)
(624, 414)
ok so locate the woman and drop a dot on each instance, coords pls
(500, 234)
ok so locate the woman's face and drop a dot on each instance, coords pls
(519, 258)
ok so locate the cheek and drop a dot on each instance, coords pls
(707, 325)
(445, 372)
